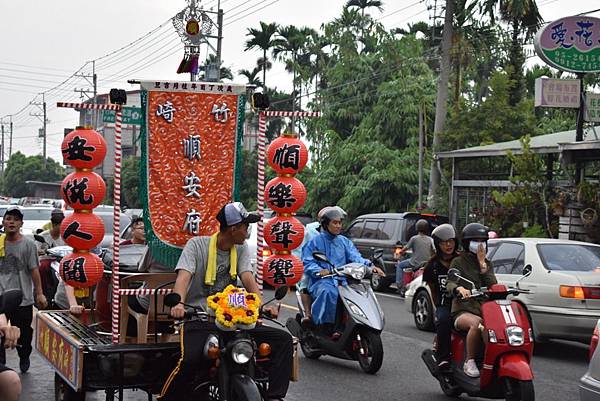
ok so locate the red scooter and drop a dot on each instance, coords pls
(505, 360)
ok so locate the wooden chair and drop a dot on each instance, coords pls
(156, 309)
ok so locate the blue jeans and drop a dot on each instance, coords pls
(400, 271)
(443, 329)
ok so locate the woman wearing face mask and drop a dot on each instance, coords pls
(473, 266)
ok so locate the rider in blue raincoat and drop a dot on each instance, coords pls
(340, 251)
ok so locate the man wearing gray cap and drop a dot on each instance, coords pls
(207, 265)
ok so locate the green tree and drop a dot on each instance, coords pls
(524, 19)
(263, 39)
(130, 182)
(248, 181)
(21, 168)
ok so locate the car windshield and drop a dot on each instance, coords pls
(36, 214)
(107, 218)
(570, 257)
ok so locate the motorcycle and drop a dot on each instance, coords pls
(236, 373)
(505, 363)
(49, 268)
(359, 313)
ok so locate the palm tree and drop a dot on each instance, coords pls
(251, 76)
(288, 44)
(363, 5)
(524, 18)
(263, 39)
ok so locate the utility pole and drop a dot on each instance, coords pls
(93, 81)
(441, 103)
(421, 140)
(44, 119)
(10, 139)
(2, 153)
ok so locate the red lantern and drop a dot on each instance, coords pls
(287, 155)
(83, 148)
(82, 231)
(81, 269)
(83, 190)
(285, 194)
(283, 269)
(284, 233)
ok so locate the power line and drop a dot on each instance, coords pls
(250, 13)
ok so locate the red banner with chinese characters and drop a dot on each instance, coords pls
(62, 355)
(192, 136)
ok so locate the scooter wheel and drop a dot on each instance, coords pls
(448, 387)
(518, 390)
(371, 360)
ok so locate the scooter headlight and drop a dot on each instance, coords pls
(515, 335)
(242, 351)
(355, 309)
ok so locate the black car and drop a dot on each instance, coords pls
(388, 231)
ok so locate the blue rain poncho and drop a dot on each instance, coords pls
(324, 292)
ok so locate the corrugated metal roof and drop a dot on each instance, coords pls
(539, 144)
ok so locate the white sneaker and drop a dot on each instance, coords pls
(470, 368)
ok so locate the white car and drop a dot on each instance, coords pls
(34, 218)
(563, 298)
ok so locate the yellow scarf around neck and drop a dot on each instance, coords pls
(2, 240)
(211, 268)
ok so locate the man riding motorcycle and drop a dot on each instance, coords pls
(340, 251)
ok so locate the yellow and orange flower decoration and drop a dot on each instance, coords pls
(234, 308)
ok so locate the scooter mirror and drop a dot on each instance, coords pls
(172, 299)
(281, 292)
(377, 253)
(10, 299)
(39, 238)
(527, 270)
(453, 274)
(320, 256)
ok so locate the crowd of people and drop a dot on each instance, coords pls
(209, 263)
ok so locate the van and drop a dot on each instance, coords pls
(389, 231)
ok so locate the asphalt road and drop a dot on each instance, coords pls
(557, 368)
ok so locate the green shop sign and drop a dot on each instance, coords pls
(131, 115)
(570, 44)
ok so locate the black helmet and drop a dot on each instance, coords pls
(422, 226)
(331, 213)
(475, 231)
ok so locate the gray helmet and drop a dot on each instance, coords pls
(332, 213)
(443, 232)
(422, 226)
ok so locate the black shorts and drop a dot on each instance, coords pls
(3, 368)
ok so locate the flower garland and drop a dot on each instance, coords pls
(234, 308)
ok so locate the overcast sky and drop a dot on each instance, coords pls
(44, 42)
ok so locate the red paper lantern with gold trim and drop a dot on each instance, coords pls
(283, 269)
(82, 230)
(81, 269)
(284, 233)
(83, 148)
(287, 155)
(83, 190)
(285, 194)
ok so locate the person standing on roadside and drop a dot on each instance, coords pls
(19, 270)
